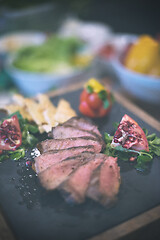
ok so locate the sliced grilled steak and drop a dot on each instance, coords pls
(77, 183)
(47, 159)
(57, 144)
(83, 123)
(105, 182)
(66, 131)
(53, 176)
(109, 181)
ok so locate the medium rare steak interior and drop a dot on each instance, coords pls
(105, 182)
(72, 163)
(47, 159)
(71, 189)
(53, 176)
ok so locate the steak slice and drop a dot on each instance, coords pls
(67, 131)
(83, 123)
(105, 182)
(47, 159)
(53, 176)
(75, 186)
(57, 144)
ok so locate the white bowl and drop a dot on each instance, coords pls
(32, 83)
(144, 87)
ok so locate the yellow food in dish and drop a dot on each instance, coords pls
(143, 55)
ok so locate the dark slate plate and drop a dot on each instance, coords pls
(35, 214)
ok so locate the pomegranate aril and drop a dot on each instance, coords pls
(12, 144)
(129, 124)
(132, 139)
(126, 144)
(118, 134)
(3, 136)
(125, 128)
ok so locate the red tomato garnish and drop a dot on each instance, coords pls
(92, 106)
(102, 111)
(94, 101)
(10, 134)
(84, 96)
(86, 110)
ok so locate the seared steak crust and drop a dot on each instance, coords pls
(83, 123)
(67, 131)
(57, 144)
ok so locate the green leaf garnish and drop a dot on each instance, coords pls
(102, 95)
(105, 104)
(16, 155)
(89, 89)
(115, 125)
(3, 157)
(32, 128)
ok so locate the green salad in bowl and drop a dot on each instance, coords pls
(53, 64)
(56, 55)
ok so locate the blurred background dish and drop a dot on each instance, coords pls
(13, 41)
(51, 64)
(115, 46)
(95, 34)
(32, 83)
(141, 86)
(138, 68)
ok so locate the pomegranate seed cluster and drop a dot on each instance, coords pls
(9, 133)
(126, 135)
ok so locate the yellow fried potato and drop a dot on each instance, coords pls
(35, 110)
(14, 108)
(49, 109)
(64, 111)
(19, 100)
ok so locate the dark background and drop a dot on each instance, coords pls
(125, 16)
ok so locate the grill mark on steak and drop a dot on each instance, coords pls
(71, 189)
(57, 144)
(83, 123)
(53, 176)
(67, 131)
(47, 159)
(105, 182)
